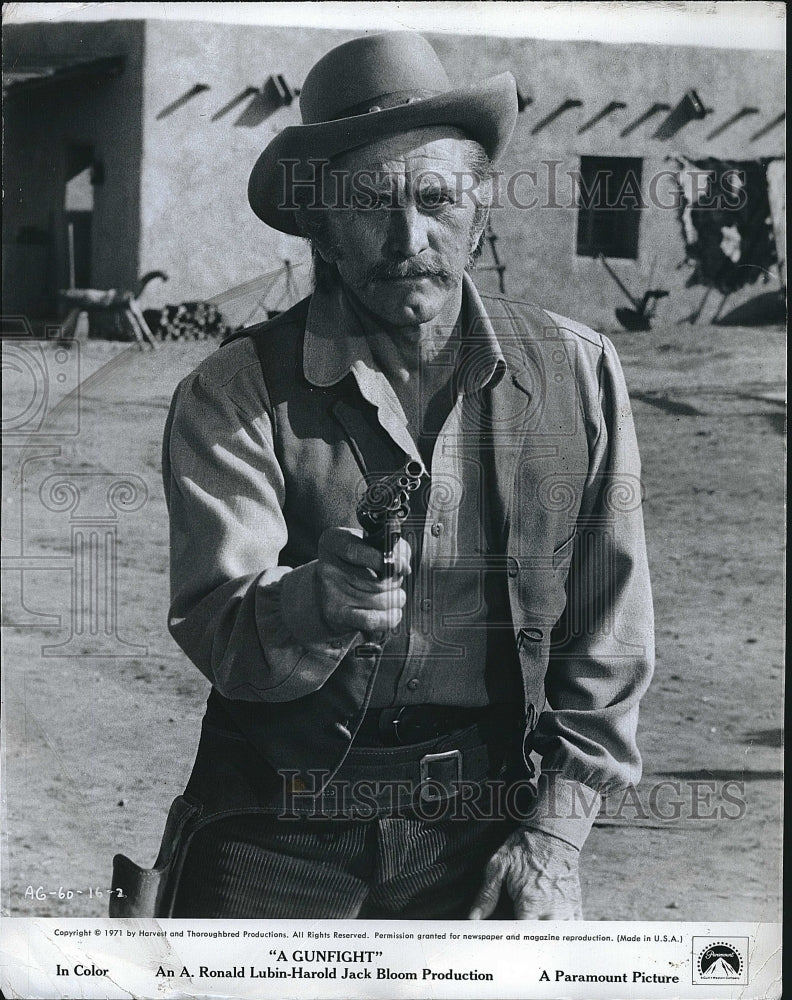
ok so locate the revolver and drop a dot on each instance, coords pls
(384, 507)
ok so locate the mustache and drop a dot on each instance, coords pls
(387, 270)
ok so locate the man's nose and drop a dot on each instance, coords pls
(407, 232)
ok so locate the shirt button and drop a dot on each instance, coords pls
(437, 529)
(426, 604)
(413, 684)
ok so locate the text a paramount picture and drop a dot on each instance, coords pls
(393, 500)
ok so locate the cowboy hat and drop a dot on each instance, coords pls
(371, 87)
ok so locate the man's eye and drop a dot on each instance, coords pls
(433, 198)
(370, 201)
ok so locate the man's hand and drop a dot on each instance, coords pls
(540, 873)
(352, 592)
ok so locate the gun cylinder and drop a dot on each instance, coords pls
(385, 505)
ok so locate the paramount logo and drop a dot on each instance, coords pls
(720, 961)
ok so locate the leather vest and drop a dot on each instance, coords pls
(328, 439)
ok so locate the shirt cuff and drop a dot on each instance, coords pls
(564, 809)
(300, 613)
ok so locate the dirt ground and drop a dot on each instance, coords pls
(97, 745)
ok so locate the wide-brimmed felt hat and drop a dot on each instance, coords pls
(369, 88)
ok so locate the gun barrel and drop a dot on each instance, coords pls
(386, 503)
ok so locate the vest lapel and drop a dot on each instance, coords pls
(374, 450)
(517, 404)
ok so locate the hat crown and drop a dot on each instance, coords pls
(359, 73)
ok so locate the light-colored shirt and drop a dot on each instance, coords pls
(455, 644)
(253, 626)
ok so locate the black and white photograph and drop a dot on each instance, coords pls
(394, 412)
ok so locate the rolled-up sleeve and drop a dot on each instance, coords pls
(250, 625)
(603, 655)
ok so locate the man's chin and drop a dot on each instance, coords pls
(406, 301)
(410, 310)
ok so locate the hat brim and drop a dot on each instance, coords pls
(486, 112)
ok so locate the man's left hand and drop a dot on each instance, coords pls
(540, 873)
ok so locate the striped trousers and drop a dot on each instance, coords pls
(264, 866)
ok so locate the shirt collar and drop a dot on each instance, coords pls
(335, 344)
(334, 338)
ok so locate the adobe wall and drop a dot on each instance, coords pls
(40, 124)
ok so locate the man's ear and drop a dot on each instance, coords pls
(478, 233)
(485, 191)
(314, 227)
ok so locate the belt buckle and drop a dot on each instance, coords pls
(448, 761)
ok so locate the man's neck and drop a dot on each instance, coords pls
(401, 351)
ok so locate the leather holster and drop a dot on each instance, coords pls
(149, 892)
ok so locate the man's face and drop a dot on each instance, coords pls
(404, 235)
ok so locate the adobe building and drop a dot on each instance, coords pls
(634, 169)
